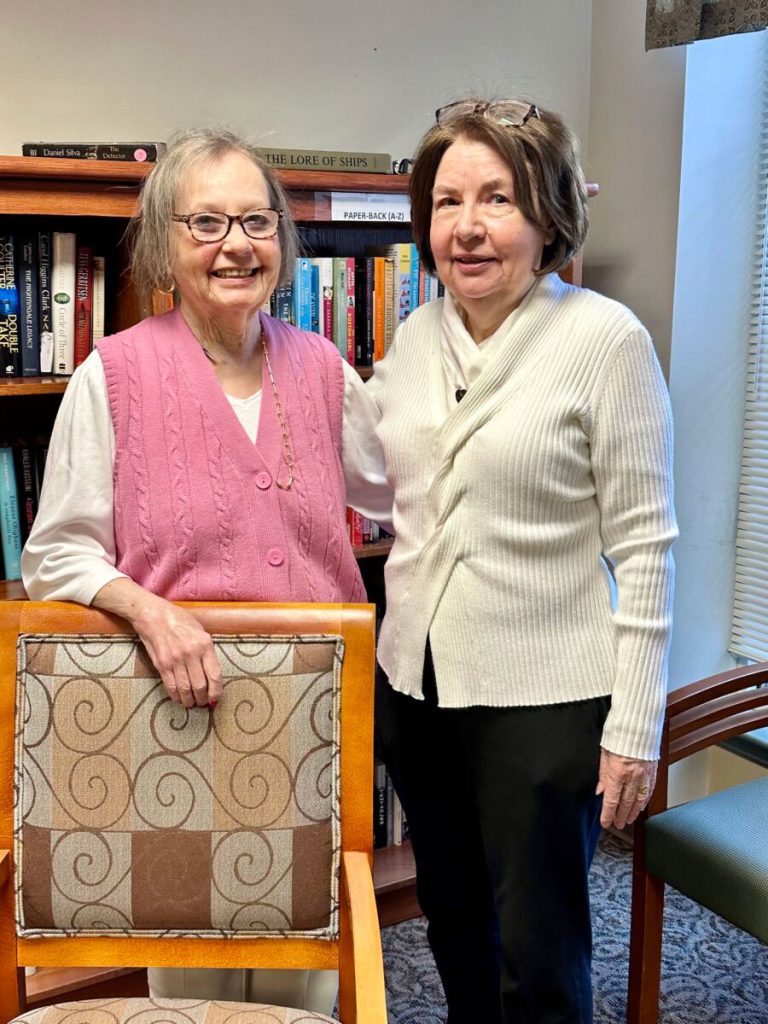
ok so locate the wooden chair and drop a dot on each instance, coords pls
(135, 833)
(714, 850)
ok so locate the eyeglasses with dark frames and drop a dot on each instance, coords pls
(214, 227)
(508, 113)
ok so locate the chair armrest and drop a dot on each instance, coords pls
(5, 866)
(370, 997)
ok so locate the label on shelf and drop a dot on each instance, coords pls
(368, 207)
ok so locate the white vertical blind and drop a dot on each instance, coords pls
(749, 634)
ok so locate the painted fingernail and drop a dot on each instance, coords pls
(212, 704)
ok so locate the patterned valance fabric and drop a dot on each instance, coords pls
(672, 22)
(136, 816)
(167, 1011)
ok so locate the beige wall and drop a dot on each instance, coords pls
(344, 75)
(636, 117)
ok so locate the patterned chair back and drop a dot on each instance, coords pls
(134, 818)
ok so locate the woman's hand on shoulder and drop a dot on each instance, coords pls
(180, 649)
(626, 784)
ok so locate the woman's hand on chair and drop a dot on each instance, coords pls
(180, 649)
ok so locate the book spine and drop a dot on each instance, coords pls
(284, 303)
(29, 330)
(404, 307)
(139, 152)
(63, 289)
(45, 300)
(390, 321)
(302, 294)
(414, 276)
(325, 272)
(25, 486)
(340, 304)
(351, 301)
(366, 354)
(98, 299)
(378, 307)
(10, 354)
(83, 302)
(10, 531)
(379, 805)
(315, 300)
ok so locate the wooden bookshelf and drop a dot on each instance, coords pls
(378, 549)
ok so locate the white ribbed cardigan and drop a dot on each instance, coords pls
(559, 456)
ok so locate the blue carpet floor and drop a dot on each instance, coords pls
(712, 972)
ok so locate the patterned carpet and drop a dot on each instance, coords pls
(712, 972)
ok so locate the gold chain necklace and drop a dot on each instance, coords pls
(287, 452)
(286, 440)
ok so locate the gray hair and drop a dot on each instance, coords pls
(149, 231)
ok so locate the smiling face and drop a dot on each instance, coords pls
(485, 250)
(224, 282)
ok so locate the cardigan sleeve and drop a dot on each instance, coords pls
(631, 445)
(70, 554)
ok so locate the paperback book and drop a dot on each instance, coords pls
(10, 355)
(138, 152)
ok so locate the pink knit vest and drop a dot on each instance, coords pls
(198, 515)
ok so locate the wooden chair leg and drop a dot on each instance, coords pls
(645, 941)
(347, 1001)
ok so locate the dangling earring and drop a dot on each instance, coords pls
(170, 289)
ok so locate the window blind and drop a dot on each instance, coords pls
(749, 633)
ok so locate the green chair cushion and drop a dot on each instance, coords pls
(715, 850)
(166, 1011)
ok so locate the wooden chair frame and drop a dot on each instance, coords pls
(356, 954)
(697, 716)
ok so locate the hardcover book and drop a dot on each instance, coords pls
(29, 330)
(83, 301)
(340, 304)
(10, 529)
(63, 291)
(98, 292)
(134, 152)
(326, 160)
(45, 300)
(10, 355)
(25, 485)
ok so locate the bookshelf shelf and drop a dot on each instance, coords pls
(105, 188)
(378, 549)
(32, 386)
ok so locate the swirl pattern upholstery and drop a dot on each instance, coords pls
(168, 1011)
(134, 832)
(114, 783)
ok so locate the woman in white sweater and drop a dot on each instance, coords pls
(527, 433)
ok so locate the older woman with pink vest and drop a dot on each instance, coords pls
(208, 454)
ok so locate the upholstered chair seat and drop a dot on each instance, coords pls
(167, 1011)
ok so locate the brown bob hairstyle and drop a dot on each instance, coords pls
(542, 155)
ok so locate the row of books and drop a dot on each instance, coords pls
(21, 477)
(51, 302)
(356, 302)
(390, 827)
(362, 530)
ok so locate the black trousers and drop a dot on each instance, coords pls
(504, 823)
